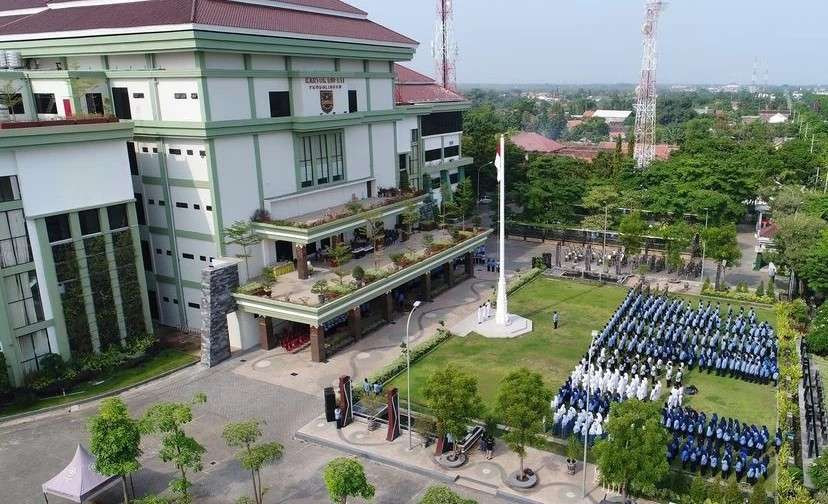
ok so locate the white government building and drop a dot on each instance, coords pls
(291, 108)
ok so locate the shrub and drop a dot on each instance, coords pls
(770, 292)
(428, 240)
(252, 289)
(261, 215)
(268, 275)
(537, 262)
(358, 273)
(819, 472)
(5, 381)
(760, 291)
(374, 274)
(818, 334)
(443, 495)
(354, 207)
(706, 286)
(320, 287)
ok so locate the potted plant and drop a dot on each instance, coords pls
(573, 449)
(359, 275)
(409, 219)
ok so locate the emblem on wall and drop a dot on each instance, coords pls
(326, 101)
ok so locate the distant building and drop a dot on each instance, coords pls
(535, 143)
(612, 116)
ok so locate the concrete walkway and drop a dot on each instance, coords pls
(555, 485)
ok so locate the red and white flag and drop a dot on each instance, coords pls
(500, 158)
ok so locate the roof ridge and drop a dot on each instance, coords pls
(193, 11)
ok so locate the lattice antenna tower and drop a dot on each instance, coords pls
(646, 93)
(444, 45)
(754, 83)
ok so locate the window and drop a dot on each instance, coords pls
(436, 183)
(147, 255)
(133, 160)
(144, 149)
(117, 216)
(45, 103)
(166, 299)
(415, 135)
(194, 305)
(23, 297)
(321, 159)
(433, 155)
(188, 256)
(209, 208)
(155, 150)
(169, 253)
(353, 105)
(120, 102)
(179, 204)
(159, 251)
(196, 206)
(180, 96)
(162, 203)
(15, 103)
(14, 239)
(194, 96)
(403, 161)
(175, 301)
(152, 296)
(202, 153)
(57, 227)
(9, 190)
(189, 152)
(454, 178)
(32, 347)
(279, 103)
(94, 103)
(452, 151)
(89, 222)
(202, 258)
(139, 209)
(151, 201)
(138, 95)
(176, 152)
(439, 123)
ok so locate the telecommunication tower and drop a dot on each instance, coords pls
(646, 94)
(444, 46)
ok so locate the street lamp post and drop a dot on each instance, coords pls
(704, 243)
(408, 369)
(586, 429)
(478, 180)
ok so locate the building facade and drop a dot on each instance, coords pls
(280, 108)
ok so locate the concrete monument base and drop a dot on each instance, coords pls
(488, 328)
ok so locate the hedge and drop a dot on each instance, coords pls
(396, 366)
(739, 296)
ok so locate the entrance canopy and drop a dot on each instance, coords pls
(79, 480)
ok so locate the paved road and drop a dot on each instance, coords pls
(32, 452)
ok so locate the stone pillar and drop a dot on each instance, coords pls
(317, 343)
(426, 286)
(300, 253)
(217, 285)
(450, 273)
(355, 323)
(388, 307)
(469, 262)
(267, 340)
(346, 400)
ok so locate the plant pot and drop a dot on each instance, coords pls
(528, 480)
(571, 466)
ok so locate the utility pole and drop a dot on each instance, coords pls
(646, 92)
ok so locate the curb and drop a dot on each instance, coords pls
(4, 420)
(440, 476)
(378, 458)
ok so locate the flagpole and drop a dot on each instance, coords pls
(502, 313)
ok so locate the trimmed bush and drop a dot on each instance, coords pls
(818, 334)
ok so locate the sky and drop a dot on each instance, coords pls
(599, 41)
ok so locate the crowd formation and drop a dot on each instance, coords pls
(650, 343)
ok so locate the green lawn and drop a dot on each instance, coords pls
(166, 360)
(554, 353)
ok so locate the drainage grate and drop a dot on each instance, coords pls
(294, 374)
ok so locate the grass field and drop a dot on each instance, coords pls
(166, 360)
(554, 353)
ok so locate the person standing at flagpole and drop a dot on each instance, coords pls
(502, 312)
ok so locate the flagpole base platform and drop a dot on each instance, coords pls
(517, 326)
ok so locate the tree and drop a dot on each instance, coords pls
(759, 495)
(10, 96)
(554, 185)
(453, 400)
(253, 456)
(632, 455)
(795, 238)
(678, 237)
(720, 244)
(814, 269)
(594, 130)
(818, 331)
(345, 477)
(464, 199)
(443, 495)
(340, 254)
(115, 441)
(168, 419)
(522, 404)
(632, 229)
(241, 233)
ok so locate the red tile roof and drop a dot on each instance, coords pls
(21, 4)
(219, 13)
(413, 87)
(535, 142)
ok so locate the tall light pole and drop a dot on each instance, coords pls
(408, 369)
(704, 242)
(589, 384)
(478, 179)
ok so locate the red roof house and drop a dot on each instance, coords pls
(535, 142)
(413, 87)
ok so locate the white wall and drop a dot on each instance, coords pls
(244, 330)
(378, 66)
(267, 62)
(169, 310)
(156, 214)
(140, 106)
(148, 162)
(306, 96)
(190, 269)
(404, 127)
(230, 100)
(175, 60)
(348, 65)
(313, 64)
(174, 109)
(84, 62)
(226, 61)
(357, 157)
(193, 314)
(127, 62)
(362, 95)
(46, 175)
(385, 155)
(189, 164)
(198, 220)
(382, 94)
(278, 164)
(261, 89)
(292, 206)
(58, 88)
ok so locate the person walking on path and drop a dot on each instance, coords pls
(338, 417)
(555, 319)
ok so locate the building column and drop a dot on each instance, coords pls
(300, 252)
(461, 174)
(426, 286)
(317, 343)
(426, 182)
(388, 307)
(446, 182)
(355, 323)
(469, 262)
(267, 340)
(450, 273)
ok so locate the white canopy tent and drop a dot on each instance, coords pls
(78, 481)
